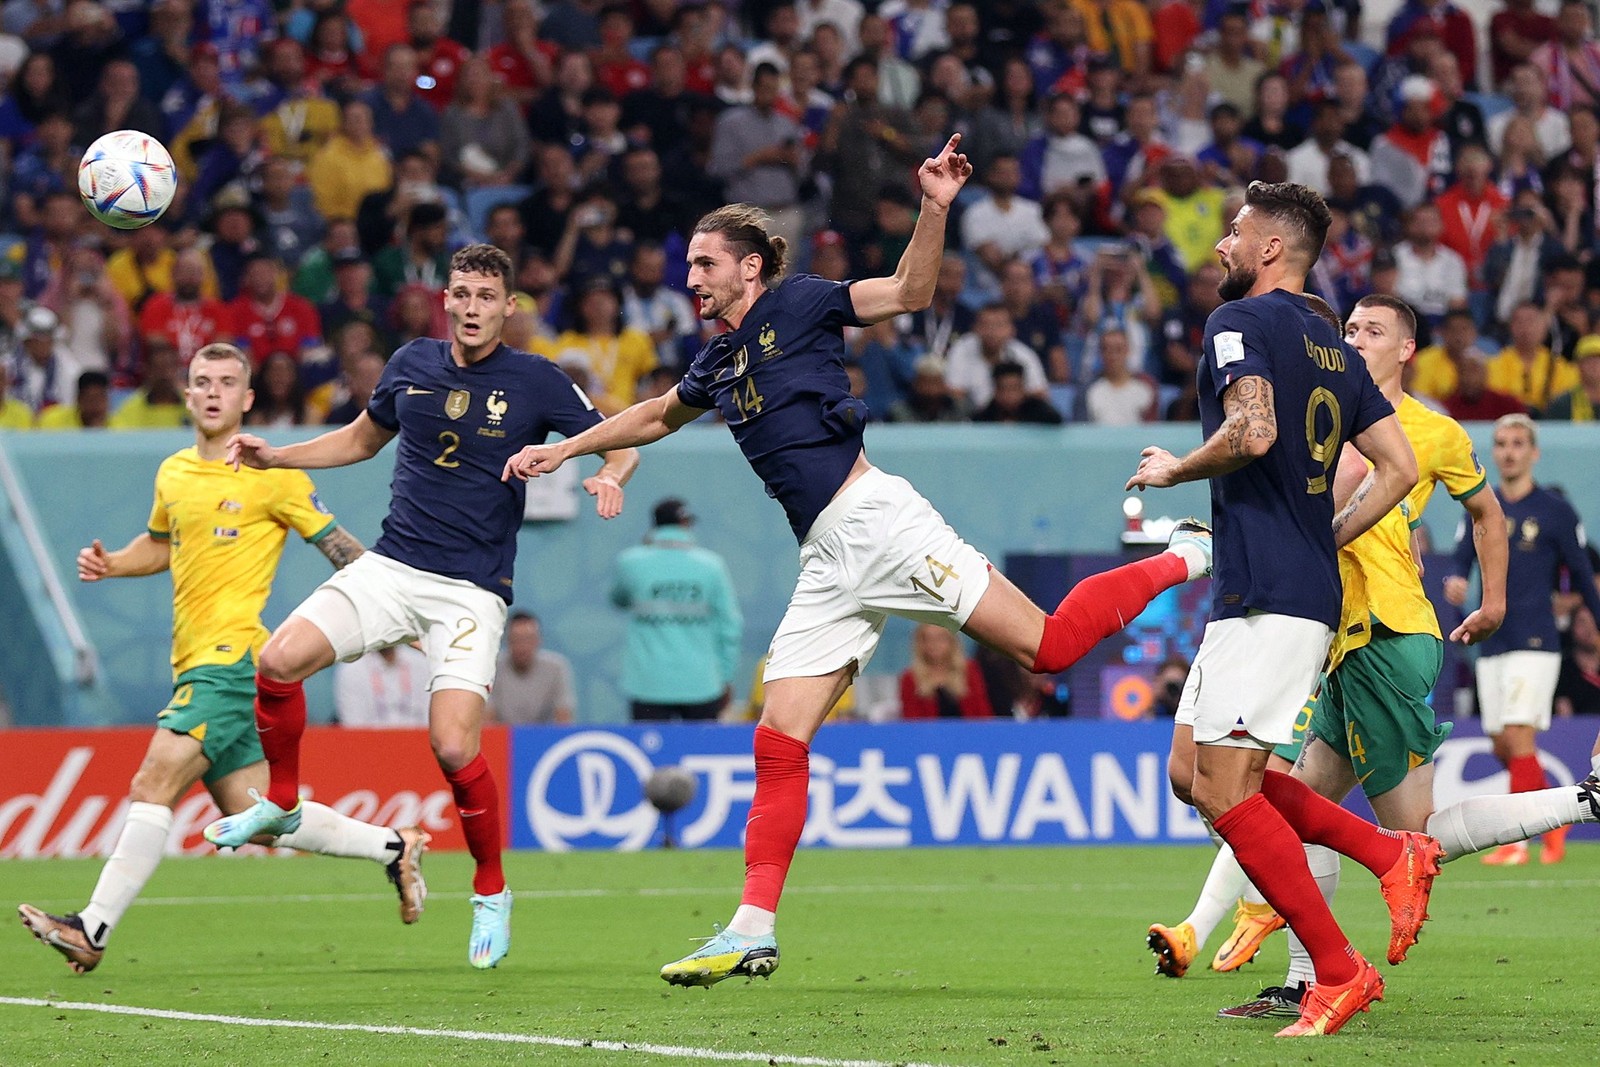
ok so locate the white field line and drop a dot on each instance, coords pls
(642, 1048)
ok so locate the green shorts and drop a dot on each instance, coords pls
(1302, 721)
(216, 705)
(1374, 709)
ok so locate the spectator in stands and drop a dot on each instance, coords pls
(382, 690)
(1270, 124)
(1471, 211)
(1229, 158)
(1460, 118)
(1310, 69)
(91, 41)
(314, 277)
(942, 682)
(1473, 400)
(779, 39)
(647, 209)
(532, 684)
(1005, 124)
(424, 256)
(1521, 161)
(14, 414)
(1183, 327)
(556, 117)
(1118, 396)
(866, 144)
(1443, 19)
(1530, 101)
(1004, 225)
(1103, 112)
(843, 15)
(1578, 686)
(658, 114)
(1572, 200)
(1564, 305)
(266, 317)
(946, 319)
(899, 84)
(1059, 272)
(1308, 161)
(158, 402)
(352, 165)
(35, 91)
(1353, 93)
(1433, 278)
(618, 355)
(1191, 213)
(930, 398)
(603, 141)
(1580, 403)
(90, 409)
(440, 58)
(117, 105)
(1343, 273)
(592, 246)
(1412, 157)
(522, 62)
(1011, 401)
(1230, 67)
(503, 229)
(416, 311)
(358, 382)
(757, 152)
(1121, 293)
(191, 109)
(60, 217)
(96, 325)
(662, 313)
(401, 118)
(351, 342)
(295, 121)
(1515, 32)
(233, 156)
(1059, 156)
(1526, 368)
(13, 307)
(1571, 62)
(1134, 156)
(1435, 369)
(484, 140)
(732, 87)
(40, 375)
(615, 68)
(382, 215)
(42, 168)
(545, 211)
(280, 398)
(290, 222)
(185, 316)
(886, 360)
(1036, 324)
(993, 340)
(330, 62)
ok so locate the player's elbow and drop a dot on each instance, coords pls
(1258, 439)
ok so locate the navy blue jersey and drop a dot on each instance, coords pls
(779, 381)
(449, 512)
(1274, 517)
(1545, 535)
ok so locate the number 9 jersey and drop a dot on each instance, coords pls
(1273, 518)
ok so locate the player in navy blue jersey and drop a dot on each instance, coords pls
(441, 571)
(1518, 667)
(1280, 394)
(870, 545)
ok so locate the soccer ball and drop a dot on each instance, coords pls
(127, 179)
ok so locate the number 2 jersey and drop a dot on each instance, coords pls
(780, 384)
(1273, 517)
(449, 513)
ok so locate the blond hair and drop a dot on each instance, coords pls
(746, 228)
(223, 350)
(1518, 421)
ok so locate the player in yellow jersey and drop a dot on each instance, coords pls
(221, 532)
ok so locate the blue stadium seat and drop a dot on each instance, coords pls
(1064, 398)
(482, 201)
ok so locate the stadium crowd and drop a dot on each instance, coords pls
(333, 153)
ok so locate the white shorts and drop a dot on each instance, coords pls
(878, 549)
(1517, 689)
(377, 602)
(1250, 679)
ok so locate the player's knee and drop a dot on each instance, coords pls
(154, 783)
(280, 661)
(453, 753)
(1214, 799)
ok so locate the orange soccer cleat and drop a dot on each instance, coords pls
(1253, 924)
(1175, 948)
(1553, 846)
(1328, 1007)
(1405, 889)
(1512, 855)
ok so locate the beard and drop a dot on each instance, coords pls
(1237, 283)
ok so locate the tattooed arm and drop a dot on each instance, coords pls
(1490, 542)
(1249, 428)
(341, 547)
(1394, 473)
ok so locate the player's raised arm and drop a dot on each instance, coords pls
(1394, 474)
(1249, 428)
(143, 555)
(360, 440)
(910, 288)
(1493, 552)
(642, 424)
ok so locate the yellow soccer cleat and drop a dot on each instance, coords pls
(1252, 924)
(725, 954)
(1175, 948)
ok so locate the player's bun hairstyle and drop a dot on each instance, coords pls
(744, 227)
(1324, 311)
(483, 259)
(1300, 210)
(223, 350)
(1402, 311)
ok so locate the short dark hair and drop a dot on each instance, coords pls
(1006, 368)
(521, 615)
(1402, 311)
(746, 229)
(482, 259)
(1298, 209)
(91, 379)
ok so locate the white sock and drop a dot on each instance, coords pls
(1193, 557)
(325, 831)
(1224, 882)
(133, 861)
(1482, 822)
(1595, 763)
(751, 921)
(1324, 864)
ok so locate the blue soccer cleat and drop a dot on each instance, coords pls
(263, 818)
(1193, 532)
(491, 929)
(724, 955)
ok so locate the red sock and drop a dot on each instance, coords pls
(478, 802)
(777, 815)
(1102, 604)
(281, 720)
(1275, 860)
(1526, 774)
(1319, 821)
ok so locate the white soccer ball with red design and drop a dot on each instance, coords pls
(127, 179)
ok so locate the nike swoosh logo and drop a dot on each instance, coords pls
(412, 390)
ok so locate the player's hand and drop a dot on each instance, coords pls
(607, 496)
(533, 461)
(1477, 626)
(943, 176)
(1158, 469)
(1455, 590)
(94, 563)
(251, 451)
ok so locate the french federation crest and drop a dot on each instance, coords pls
(455, 405)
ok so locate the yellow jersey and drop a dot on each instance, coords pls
(1381, 584)
(227, 529)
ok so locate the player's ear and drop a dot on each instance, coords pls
(249, 399)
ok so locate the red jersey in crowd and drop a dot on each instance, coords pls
(189, 325)
(289, 324)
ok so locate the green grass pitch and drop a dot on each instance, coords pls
(969, 956)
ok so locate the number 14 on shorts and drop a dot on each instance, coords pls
(939, 573)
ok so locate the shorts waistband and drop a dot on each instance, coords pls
(845, 501)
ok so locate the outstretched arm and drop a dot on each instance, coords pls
(644, 423)
(1248, 430)
(1394, 474)
(143, 555)
(1493, 552)
(910, 288)
(360, 440)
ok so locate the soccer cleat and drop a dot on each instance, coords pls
(1328, 1007)
(1512, 855)
(1589, 793)
(1273, 1002)
(263, 818)
(1174, 947)
(65, 934)
(724, 955)
(1196, 534)
(1553, 846)
(491, 929)
(405, 873)
(1406, 886)
(1253, 924)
